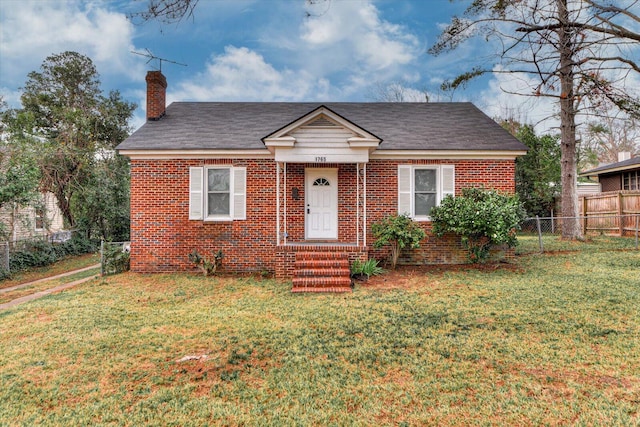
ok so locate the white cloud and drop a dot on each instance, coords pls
(352, 37)
(349, 43)
(355, 29)
(241, 74)
(33, 30)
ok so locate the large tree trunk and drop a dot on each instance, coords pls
(571, 228)
(65, 207)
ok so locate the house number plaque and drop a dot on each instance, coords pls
(321, 159)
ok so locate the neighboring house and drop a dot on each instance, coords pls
(613, 211)
(588, 188)
(623, 175)
(293, 188)
(23, 222)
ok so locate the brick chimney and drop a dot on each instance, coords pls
(156, 95)
(624, 155)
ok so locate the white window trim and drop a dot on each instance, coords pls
(205, 190)
(198, 194)
(406, 190)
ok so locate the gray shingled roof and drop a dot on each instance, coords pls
(401, 126)
(618, 166)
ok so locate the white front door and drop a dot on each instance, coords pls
(322, 203)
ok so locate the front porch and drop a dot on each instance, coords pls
(321, 199)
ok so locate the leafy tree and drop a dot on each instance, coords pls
(537, 172)
(19, 173)
(73, 123)
(398, 231)
(483, 218)
(102, 207)
(579, 52)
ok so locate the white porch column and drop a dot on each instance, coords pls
(286, 234)
(357, 204)
(364, 207)
(277, 204)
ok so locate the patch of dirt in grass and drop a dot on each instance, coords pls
(404, 276)
(558, 384)
(219, 368)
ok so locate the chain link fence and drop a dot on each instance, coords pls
(5, 258)
(600, 231)
(40, 250)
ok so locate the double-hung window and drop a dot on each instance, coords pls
(217, 193)
(421, 187)
(631, 180)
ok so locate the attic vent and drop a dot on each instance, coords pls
(322, 122)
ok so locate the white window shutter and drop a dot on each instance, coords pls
(405, 181)
(240, 193)
(448, 182)
(195, 193)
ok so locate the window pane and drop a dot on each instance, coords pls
(218, 179)
(218, 204)
(425, 180)
(424, 203)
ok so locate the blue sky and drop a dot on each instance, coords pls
(256, 50)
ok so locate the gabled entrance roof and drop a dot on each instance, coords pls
(321, 136)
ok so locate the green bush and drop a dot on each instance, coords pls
(366, 269)
(483, 218)
(206, 265)
(400, 232)
(114, 259)
(4, 273)
(40, 253)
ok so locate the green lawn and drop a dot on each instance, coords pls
(67, 264)
(551, 340)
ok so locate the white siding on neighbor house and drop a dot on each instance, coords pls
(21, 222)
(586, 188)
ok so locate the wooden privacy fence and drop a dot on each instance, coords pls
(613, 213)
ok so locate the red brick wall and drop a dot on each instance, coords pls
(382, 199)
(163, 236)
(610, 182)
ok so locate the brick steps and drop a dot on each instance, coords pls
(321, 271)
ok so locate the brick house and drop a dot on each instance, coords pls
(622, 175)
(293, 188)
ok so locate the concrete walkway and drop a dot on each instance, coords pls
(40, 294)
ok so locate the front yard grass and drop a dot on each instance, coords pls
(552, 340)
(62, 266)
